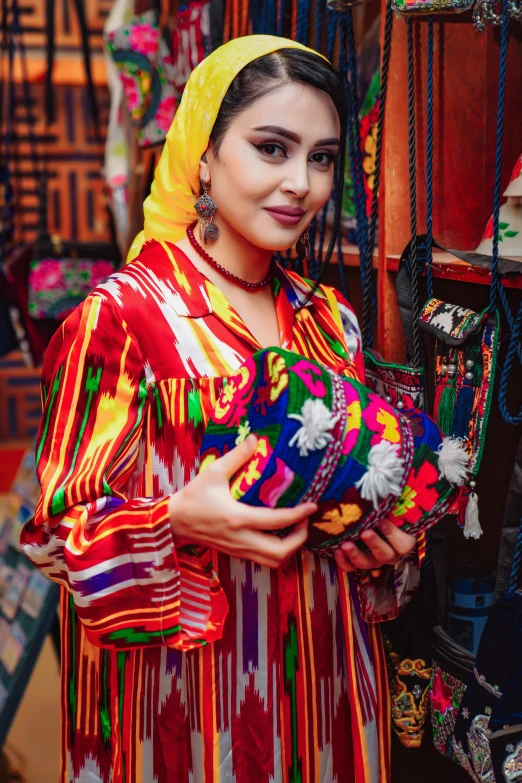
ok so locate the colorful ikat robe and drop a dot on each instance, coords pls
(182, 665)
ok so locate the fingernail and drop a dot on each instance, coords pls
(348, 547)
(386, 526)
(251, 439)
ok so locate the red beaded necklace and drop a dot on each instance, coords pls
(224, 272)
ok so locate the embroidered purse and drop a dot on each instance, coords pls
(58, 285)
(327, 438)
(452, 667)
(465, 361)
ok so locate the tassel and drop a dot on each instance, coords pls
(453, 462)
(316, 422)
(462, 413)
(446, 408)
(384, 475)
(472, 528)
(436, 402)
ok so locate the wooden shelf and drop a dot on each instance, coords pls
(450, 268)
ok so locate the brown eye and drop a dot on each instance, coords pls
(272, 150)
(323, 158)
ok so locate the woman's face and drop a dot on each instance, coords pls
(275, 166)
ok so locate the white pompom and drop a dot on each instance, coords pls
(472, 528)
(316, 422)
(453, 462)
(385, 473)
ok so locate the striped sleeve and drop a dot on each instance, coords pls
(115, 554)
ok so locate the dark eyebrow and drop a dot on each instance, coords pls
(294, 137)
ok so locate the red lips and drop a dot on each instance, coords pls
(288, 216)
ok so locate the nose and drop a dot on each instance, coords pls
(296, 181)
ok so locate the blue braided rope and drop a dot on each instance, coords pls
(358, 174)
(303, 21)
(412, 154)
(509, 317)
(331, 32)
(516, 565)
(340, 260)
(505, 374)
(429, 159)
(347, 49)
(319, 23)
(313, 268)
(271, 17)
(497, 290)
(372, 226)
(504, 39)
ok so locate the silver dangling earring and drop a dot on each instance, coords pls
(206, 208)
(303, 245)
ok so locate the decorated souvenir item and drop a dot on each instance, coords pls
(488, 731)
(466, 356)
(452, 667)
(328, 439)
(510, 225)
(139, 50)
(432, 6)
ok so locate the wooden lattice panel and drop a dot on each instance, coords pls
(72, 156)
(67, 31)
(20, 400)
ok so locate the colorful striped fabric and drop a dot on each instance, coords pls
(183, 664)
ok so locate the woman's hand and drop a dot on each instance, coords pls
(205, 513)
(398, 543)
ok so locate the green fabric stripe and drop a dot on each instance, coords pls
(56, 386)
(291, 653)
(105, 719)
(92, 386)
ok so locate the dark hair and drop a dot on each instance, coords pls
(267, 73)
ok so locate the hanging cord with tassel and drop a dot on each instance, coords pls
(372, 226)
(417, 351)
(472, 528)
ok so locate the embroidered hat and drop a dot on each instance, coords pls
(329, 439)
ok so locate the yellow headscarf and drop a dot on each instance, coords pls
(170, 207)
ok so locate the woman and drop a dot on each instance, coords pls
(197, 646)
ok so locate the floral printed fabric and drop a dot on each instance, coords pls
(139, 51)
(154, 70)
